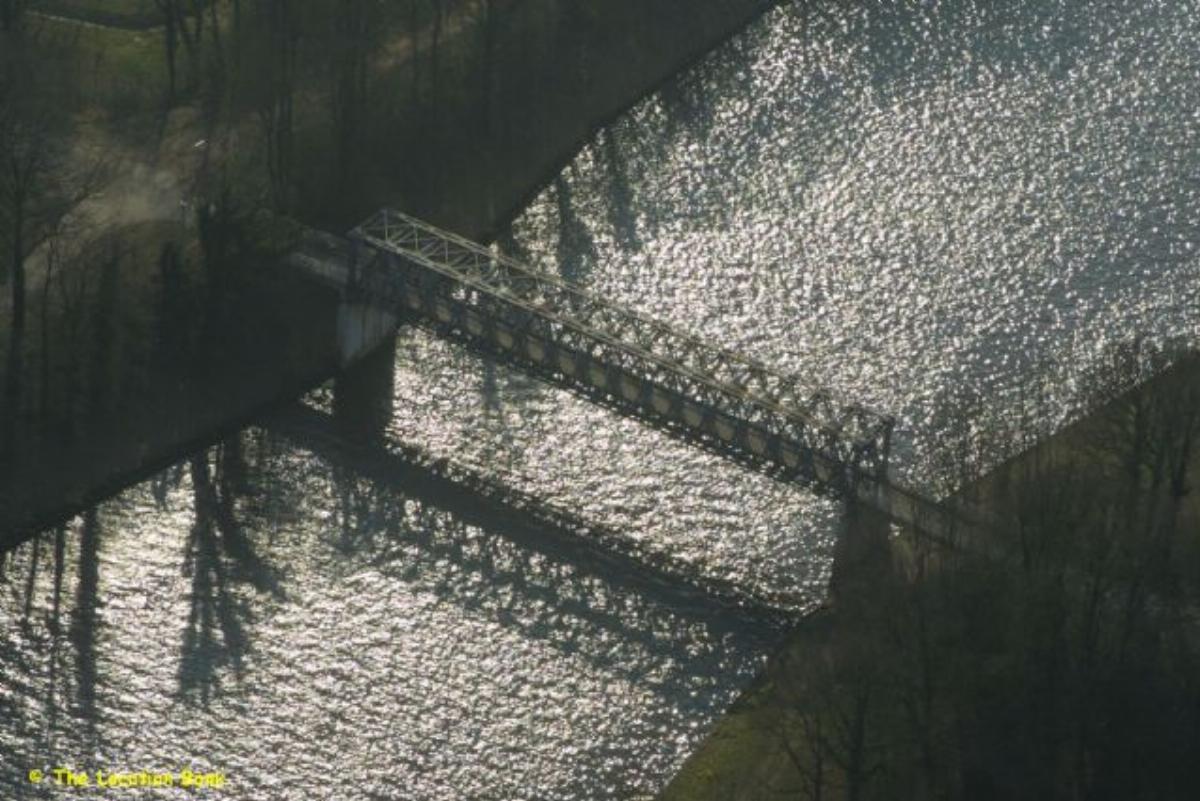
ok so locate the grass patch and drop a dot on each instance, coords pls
(742, 757)
(1063, 661)
(128, 14)
(123, 71)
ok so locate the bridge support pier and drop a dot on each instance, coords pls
(363, 392)
(361, 327)
(862, 557)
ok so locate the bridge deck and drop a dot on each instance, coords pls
(677, 375)
(723, 398)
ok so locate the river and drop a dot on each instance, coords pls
(954, 212)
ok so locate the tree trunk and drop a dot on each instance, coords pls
(191, 30)
(856, 768)
(171, 40)
(18, 269)
(487, 74)
(434, 67)
(414, 27)
(353, 32)
(275, 22)
(44, 393)
(214, 23)
(16, 341)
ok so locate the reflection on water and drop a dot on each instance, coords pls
(328, 620)
(218, 554)
(576, 250)
(83, 617)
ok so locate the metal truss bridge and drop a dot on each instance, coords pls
(725, 400)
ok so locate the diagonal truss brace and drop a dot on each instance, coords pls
(525, 298)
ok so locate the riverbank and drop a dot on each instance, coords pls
(470, 161)
(145, 413)
(1063, 658)
(139, 353)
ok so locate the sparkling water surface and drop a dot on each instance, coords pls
(304, 631)
(951, 211)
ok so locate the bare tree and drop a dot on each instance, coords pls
(801, 725)
(352, 28)
(190, 21)
(490, 24)
(171, 42)
(12, 15)
(435, 70)
(237, 20)
(41, 182)
(214, 25)
(183, 23)
(31, 147)
(271, 88)
(414, 26)
(56, 261)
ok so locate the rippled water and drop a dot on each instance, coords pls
(915, 204)
(952, 211)
(284, 621)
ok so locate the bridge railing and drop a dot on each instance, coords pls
(527, 299)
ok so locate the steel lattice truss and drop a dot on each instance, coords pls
(467, 275)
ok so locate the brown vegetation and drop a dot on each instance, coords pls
(1058, 662)
(454, 110)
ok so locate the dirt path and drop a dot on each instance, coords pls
(161, 184)
(139, 186)
(83, 23)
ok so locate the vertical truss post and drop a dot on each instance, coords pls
(841, 441)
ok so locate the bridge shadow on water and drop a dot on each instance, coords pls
(731, 452)
(543, 571)
(492, 551)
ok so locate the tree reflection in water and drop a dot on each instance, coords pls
(66, 677)
(55, 627)
(218, 558)
(576, 253)
(621, 214)
(84, 619)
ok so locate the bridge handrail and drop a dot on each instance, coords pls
(386, 228)
(617, 344)
(786, 380)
